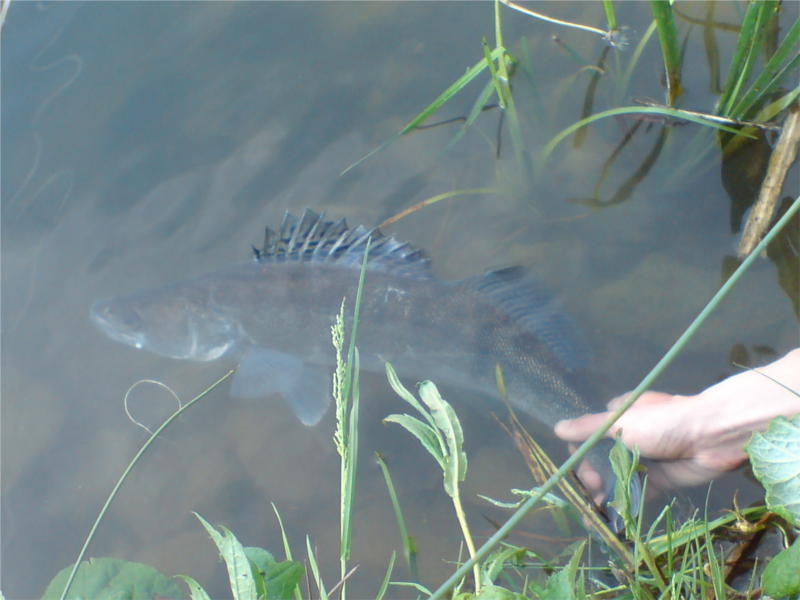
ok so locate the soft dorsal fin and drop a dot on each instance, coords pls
(310, 238)
(529, 303)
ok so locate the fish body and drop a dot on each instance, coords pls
(275, 314)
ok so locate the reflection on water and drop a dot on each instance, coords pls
(155, 141)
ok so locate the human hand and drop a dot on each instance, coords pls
(694, 439)
(667, 428)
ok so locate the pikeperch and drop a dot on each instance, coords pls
(275, 313)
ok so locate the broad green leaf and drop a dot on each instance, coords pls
(243, 587)
(113, 579)
(624, 465)
(401, 391)
(274, 580)
(447, 422)
(775, 458)
(565, 583)
(781, 577)
(495, 592)
(427, 435)
(496, 562)
(195, 589)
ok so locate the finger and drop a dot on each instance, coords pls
(577, 430)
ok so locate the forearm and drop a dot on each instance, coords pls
(747, 401)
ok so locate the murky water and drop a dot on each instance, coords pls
(146, 142)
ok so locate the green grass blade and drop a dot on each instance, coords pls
(347, 410)
(409, 546)
(611, 16)
(695, 530)
(312, 562)
(713, 562)
(631, 110)
(349, 490)
(127, 472)
(777, 67)
(755, 21)
(477, 108)
(287, 549)
(636, 55)
(756, 94)
(434, 106)
(386, 578)
(504, 83)
(777, 106)
(572, 462)
(741, 58)
(487, 56)
(668, 38)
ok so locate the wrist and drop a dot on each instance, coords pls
(728, 412)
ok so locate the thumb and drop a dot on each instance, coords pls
(577, 430)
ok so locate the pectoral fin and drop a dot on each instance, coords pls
(305, 387)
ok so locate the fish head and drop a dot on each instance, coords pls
(177, 321)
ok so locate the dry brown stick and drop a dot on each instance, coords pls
(782, 157)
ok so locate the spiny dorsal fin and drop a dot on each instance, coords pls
(529, 303)
(310, 238)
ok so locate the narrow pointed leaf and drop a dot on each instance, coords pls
(243, 587)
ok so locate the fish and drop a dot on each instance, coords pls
(274, 314)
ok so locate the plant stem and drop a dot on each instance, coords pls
(462, 521)
(127, 472)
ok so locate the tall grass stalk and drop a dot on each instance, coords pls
(668, 38)
(127, 472)
(346, 396)
(506, 97)
(611, 16)
(572, 462)
(751, 33)
(785, 59)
